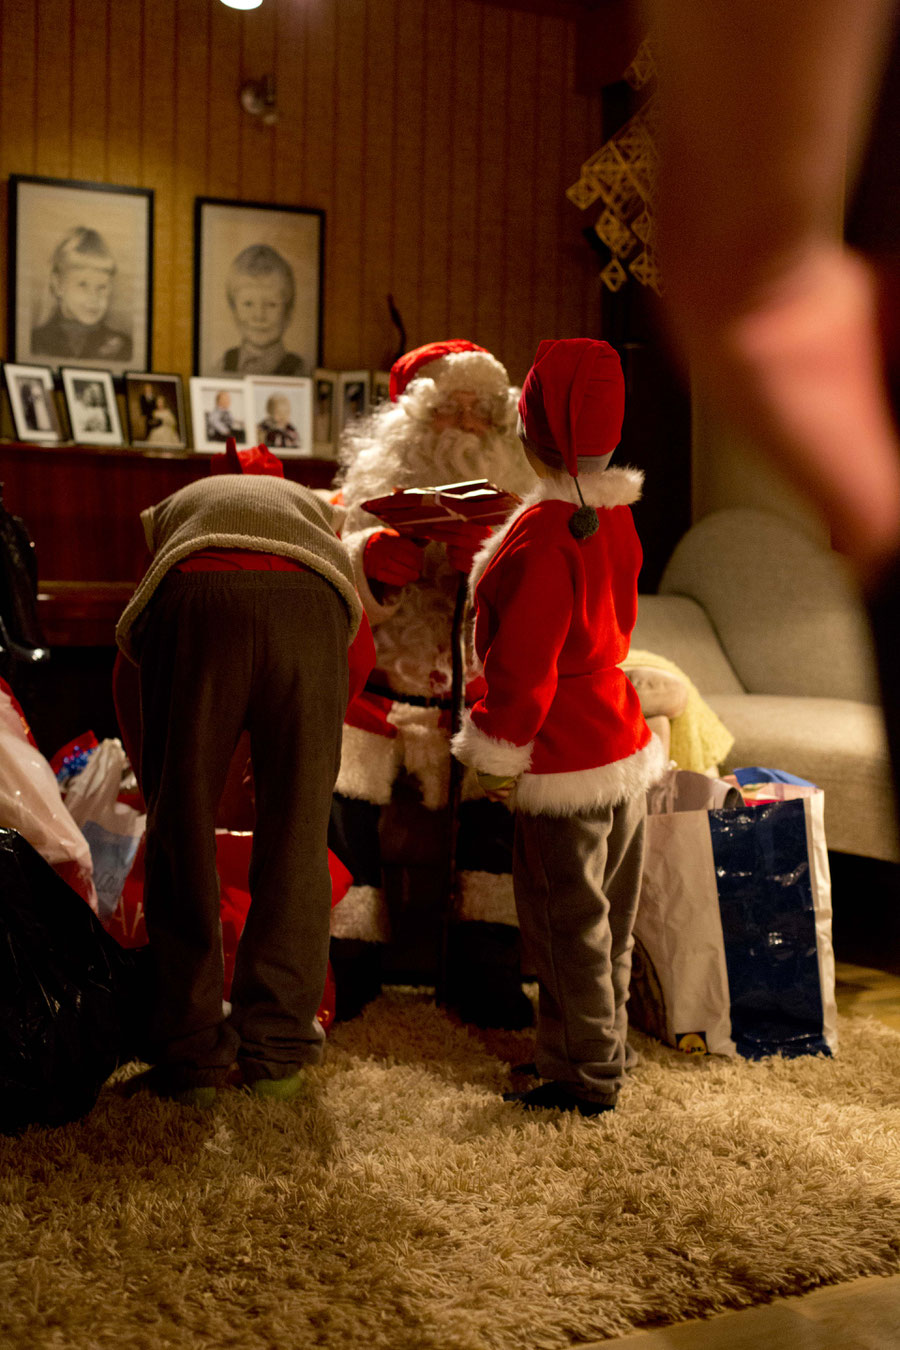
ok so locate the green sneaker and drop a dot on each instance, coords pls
(202, 1098)
(279, 1089)
(161, 1083)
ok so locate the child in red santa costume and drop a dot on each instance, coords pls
(451, 417)
(559, 724)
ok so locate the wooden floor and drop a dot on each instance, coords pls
(873, 993)
(859, 1315)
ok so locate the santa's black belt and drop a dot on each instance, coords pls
(416, 700)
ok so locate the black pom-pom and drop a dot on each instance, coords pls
(584, 522)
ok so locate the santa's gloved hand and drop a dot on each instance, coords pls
(463, 539)
(391, 559)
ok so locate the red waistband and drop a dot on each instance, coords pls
(236, 560)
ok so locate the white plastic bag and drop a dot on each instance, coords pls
(112, 829)
(31, 802)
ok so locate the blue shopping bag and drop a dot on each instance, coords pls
(733, 949)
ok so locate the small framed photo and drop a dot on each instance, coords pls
(380, 387)
(154, 405)
(33, 403)
(325, 413)
(91, 405)
(352, 397)
(281, 414)
(80, 273)
(219, 409)
(257, 288)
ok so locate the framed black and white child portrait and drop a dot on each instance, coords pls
(80, 273)
(32, 402)
(257, 288)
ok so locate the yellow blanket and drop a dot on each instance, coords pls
(699, 738)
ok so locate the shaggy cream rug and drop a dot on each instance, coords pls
(403, 1206)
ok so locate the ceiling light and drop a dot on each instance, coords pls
(242, 4)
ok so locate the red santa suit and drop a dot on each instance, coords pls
(554, 619)
(556, 598)
(401, 724)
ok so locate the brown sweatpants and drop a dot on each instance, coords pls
(222, 652)
(577, 883)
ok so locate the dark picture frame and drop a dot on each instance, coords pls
(91, 405)
(32, 402)
(258, 288)
(154, 410)
(80, 273)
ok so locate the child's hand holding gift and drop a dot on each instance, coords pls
(494, 786)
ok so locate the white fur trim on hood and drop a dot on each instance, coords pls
(503, 758)
(565, 794)
(612, 487)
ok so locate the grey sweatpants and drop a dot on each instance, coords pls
(223, 652)
(577, 883)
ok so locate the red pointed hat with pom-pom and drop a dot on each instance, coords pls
(573, 399)
(259, 459)
(406, 367)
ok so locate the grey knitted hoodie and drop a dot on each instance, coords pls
(254, 512)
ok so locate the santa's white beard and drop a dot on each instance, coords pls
(392, 450)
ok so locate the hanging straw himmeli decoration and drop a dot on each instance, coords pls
(622, 177)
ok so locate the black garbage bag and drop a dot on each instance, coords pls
(20, 630)
(73, 1003)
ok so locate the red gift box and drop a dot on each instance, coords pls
(410, 511)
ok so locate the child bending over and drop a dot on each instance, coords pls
(241, 622)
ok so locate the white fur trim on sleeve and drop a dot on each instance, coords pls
(355, 544)
(489, 754)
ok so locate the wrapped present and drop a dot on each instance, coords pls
(411, 511)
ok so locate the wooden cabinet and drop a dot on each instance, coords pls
(82, 506)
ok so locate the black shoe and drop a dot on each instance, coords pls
(557, 1097)
(508, 1009)
(484, 979)
(356, 966)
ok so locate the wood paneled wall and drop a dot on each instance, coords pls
(438, 135)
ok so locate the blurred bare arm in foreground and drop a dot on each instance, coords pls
(765, 103)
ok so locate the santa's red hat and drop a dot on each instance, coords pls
(407, 367)
(259, 459)
(573, 400)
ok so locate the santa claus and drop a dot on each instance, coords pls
(451, 417)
